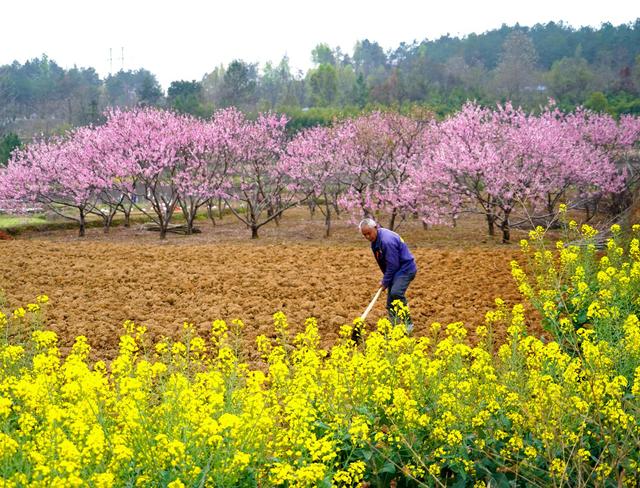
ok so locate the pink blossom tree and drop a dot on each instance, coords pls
(573, 169)
(407, 134)
(85, 147)
(206, 153)
(480, 159)
(312, 161)
(428, 191)
(52, 173)
(505, 157)
(258, 177)
(463, 152)
(375, 154)
(146, 149)
(616, 140)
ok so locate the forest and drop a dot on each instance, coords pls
(598, 68)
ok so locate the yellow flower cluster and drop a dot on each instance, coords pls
(418, 410)
(578, 288)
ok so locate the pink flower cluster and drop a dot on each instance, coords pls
(378, 164)
(477, 160)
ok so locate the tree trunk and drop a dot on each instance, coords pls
(491, 220)
(254, 231)
(190, 220)
(549, 205)
(220, 208)
(108, 219)
(210, 213)
(392, 221)
(506, 234)
(271, 211)
(336, 207)
(164, 218)
(327, 217)
(82, 223)
(126, 210)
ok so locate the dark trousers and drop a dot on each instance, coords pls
(397, 291)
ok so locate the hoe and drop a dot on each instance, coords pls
(371, 304)
(355, 334)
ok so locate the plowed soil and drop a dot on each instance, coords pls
(97, 282)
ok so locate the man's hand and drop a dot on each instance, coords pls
(383, 286)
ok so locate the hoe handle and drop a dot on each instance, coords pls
(370, 306)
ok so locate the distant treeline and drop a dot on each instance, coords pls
(599, 68)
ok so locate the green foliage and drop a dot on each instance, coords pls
(360, 91)
(11, 222)
(239, 84)
(597, 102)
(186, 97)
(323, 83)
(8, 143)
(569, 79)
(277, 85)
(304, 118)
(523, 64)
(624, 103)
(129, 88)
(150, 92)
(322, 54)
(368, 56)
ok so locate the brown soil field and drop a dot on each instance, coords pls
(97, 282)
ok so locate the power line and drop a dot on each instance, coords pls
(111, 60)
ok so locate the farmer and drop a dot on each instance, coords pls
(395, 261)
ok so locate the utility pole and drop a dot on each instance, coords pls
(110, 61)
(122, 59)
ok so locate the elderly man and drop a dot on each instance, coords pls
(396, 262)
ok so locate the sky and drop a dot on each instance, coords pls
(185, 39)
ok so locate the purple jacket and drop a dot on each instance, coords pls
(393, 255)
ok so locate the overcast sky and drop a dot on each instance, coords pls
(184, 39)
